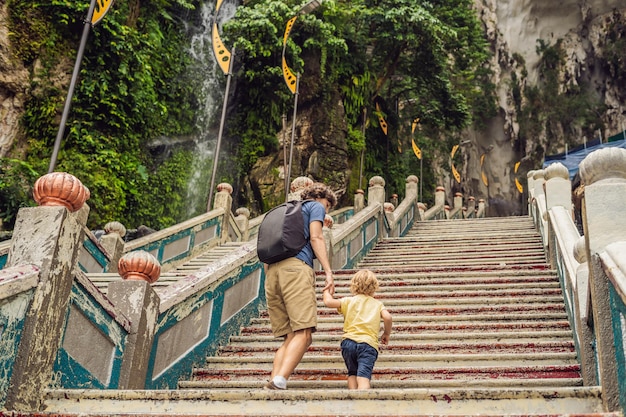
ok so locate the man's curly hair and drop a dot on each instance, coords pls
(364, 282)
(319, 190)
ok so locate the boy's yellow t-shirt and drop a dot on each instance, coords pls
(361, 319)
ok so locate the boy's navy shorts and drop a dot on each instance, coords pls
(359, 358)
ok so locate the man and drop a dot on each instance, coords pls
(290, 288)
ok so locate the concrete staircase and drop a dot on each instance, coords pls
(479, 329)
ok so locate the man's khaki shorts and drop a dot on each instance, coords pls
(290, 293)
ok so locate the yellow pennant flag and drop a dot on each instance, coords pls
(456, 174)
(519, 186)
(416, 150)
(454, 148)
(482, 173)
(221, 53)
(381, 120)
(290, 78)
(101, 8)
(414, 125)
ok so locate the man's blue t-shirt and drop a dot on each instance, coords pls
(312, 211)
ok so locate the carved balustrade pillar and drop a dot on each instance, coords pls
(440, 196)
(458, 201)
(135, 298)
(242, 218)
(49, 236)
(411, 186)
(113, 243)
(480, 210)
(421, 209)
(471, 206)
(376, 191)
(558, 187)
(359, 200)
(224, 200)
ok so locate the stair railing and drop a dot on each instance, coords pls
(400, 219)
(594, 281)
(566, 254)
(135, 337)
(4, 252)
(437, 211)
(457, 209)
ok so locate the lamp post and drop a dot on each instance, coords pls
(225, 61)
(293, 82)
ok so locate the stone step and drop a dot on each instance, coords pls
(457, 235)
(460, 243)
(549, 401)
(433, 254)
(400, 277)
(341, 382)
(504, 310)
(390, 290)
(463, 233)
(413, 323)
(323, 362)
(535, 346)
(473, 268)
(503, 336)
(329, 339)
(416, 292)
(473, 375)
(456, 263)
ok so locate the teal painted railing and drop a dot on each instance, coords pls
(196, 314)
(17, 286)
(593, 280)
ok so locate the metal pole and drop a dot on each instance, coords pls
(221, 130)
(421, 178)
(363, 151)
(285, 157)
(70, 93)
(293, 124)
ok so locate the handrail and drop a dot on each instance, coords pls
(591, 268)
(4, 252)
(155, 333)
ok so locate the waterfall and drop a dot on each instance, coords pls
(212, 91)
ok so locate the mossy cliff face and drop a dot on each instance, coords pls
(557, 83)
(14, 80)
(320, 152)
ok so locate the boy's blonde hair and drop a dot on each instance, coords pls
(364, 282)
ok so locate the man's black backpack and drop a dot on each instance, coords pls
(281, 233)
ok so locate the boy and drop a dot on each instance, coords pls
(361, 325)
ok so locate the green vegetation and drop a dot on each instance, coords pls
(415, 59)
(422, 60)
(132, 88)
